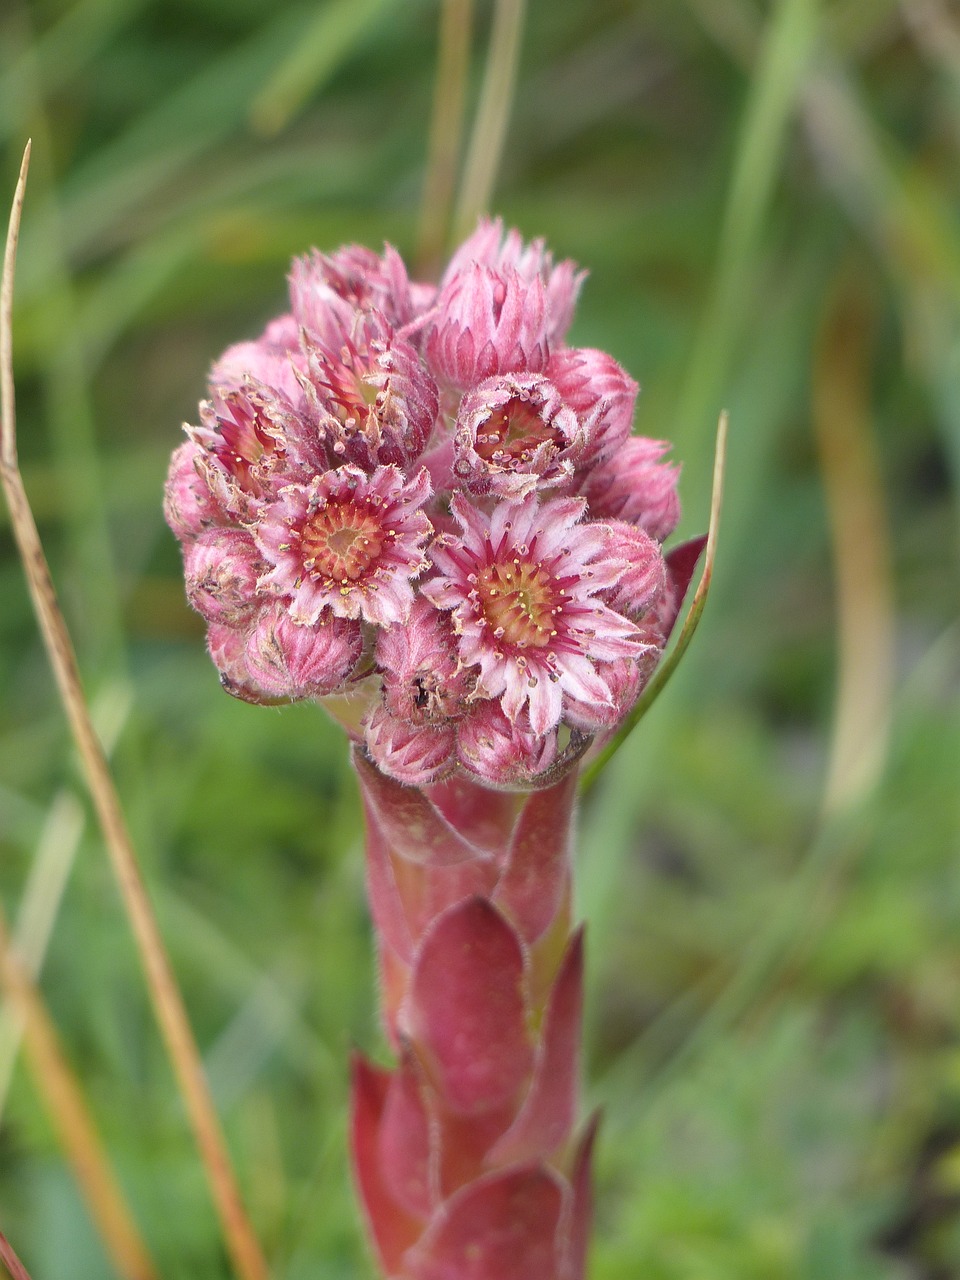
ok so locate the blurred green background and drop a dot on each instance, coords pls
(766, 196)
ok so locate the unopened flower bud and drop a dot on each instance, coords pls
(188, 504)
(486, 322)
(221, 568)
(502, 752)
(291, 661)
(634, 485)
(416, 755)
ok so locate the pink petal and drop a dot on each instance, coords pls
(534, 882)
(466, 1011)
(549, 1111)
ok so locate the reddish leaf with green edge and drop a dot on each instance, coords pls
(549, 1110)
(409, 822)
(393, 1230)
(466, 1009)
(534, 882)
(404, 1142)
(681, 562)
(669, 664)
(502, 1227)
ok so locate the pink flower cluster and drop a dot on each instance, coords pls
(420, 506)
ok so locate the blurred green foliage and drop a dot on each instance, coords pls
(774, 994)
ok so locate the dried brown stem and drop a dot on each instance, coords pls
(165, 995)
(493, 114)
(446, 129)
(669, 664)
(72, 1119)
(10, 1260)
(853, 489)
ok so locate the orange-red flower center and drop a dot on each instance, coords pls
(341, 541)
(514, 432)
(519, 601)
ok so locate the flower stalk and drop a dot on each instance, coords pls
(418, 506)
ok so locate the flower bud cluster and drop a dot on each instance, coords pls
(417, 503)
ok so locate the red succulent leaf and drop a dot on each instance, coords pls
(681, 562)
(582, 1215)
(534, 882)
(410, 824)
(404, 1141)
(386, 905)
(549, 1111)
(393, 1230)
(465, 1143)
(427, 891)
(482, 816)
(502, 1227)
(466, 1010)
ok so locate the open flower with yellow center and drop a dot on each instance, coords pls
(347, 542)
(522, 585)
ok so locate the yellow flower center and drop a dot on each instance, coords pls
(341, 541)
(519, 602)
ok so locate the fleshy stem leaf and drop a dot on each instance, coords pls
(73, 1121)
(667, 667)
(10, 1260)
(169, 1009)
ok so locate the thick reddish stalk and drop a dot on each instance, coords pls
(465, 1154)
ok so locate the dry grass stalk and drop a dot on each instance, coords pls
(8, 1257)
(72, 1119)
(493, 114)
(669, 664)
(853, 488)
(446, 128)
(168, 1004)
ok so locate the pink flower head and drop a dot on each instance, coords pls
(251, 443)
(515, 435)
(423, 681)
(503, 753)
(490, 247)
(487, 322)
(326, 290)
(523, 588)
(634, 485)
(347, 542)
(273, 360)
(373, 402)
(601, 393)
